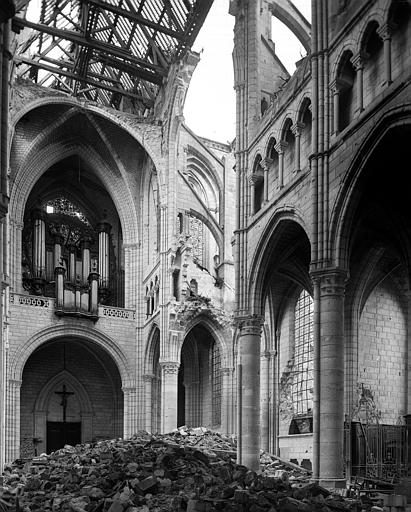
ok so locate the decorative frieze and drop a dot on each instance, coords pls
(126, 314)
(30, 300)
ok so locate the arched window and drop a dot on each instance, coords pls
(303, 381)
(306, 134)
(373, 66)
(257, 186)
(289, 149)
(346, 91)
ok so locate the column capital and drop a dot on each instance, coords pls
(337, 85)
(280, 146)
(170, 367)
(331, 281)
(385, 31)
(250, 324)
(297, 128)
(266, 163)
(358, 60)
(254, 178)
(148, 377)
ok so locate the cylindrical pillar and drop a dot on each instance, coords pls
(385, 32)
(266, 163)
(336, 106)
(358, 63)
(248, 410)
(265, 395)
(39, 244)
(297, 130)
(252, 181)
(169, 393)
(280, 150)
(226, 400)
(104, 229)
(331, 370)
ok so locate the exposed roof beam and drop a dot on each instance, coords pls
(128, 68)
(137, 18)
(70, 67)
(148, 102)
(94, 44)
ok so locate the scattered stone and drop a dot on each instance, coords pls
(188, 470)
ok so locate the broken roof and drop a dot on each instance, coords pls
(106, 50)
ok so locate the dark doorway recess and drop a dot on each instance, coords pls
(60, 433)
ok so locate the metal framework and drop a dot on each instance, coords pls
(107, 50)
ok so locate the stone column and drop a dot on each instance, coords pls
(297, 130)
(272, 404)
(148, 396)
(385, 32)
(358, 63)
(252, 180)
(226, 400)
(329, 385)
(13, 420)
(264, 401)
(169, 392)
(266, 163)
(335, 88)
(248, 399)
(280, 147)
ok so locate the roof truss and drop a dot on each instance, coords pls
(106, 50)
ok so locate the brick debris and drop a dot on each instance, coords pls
(188, 470)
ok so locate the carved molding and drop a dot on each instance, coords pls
(170, 368)
(250, 325)
(332, 281)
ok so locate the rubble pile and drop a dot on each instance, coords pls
(184, 471)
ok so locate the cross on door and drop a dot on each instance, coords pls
(64, 395)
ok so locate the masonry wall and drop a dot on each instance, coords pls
(382, 360)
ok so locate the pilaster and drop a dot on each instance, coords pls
(169, 394)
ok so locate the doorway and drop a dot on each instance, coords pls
(60, 433)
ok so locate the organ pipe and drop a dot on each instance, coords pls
(39, 244)
(103, 229)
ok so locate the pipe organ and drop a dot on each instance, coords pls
(79, 255)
